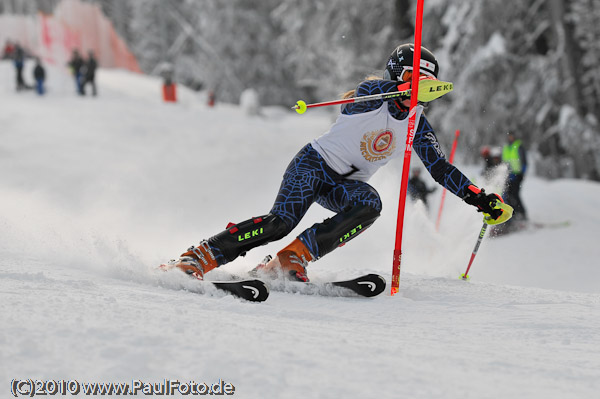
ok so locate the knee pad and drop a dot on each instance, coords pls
(239, 238)
(334, 232)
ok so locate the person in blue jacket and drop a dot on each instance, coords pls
(333, 171)
(39, 74)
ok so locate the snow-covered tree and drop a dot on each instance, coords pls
(517, 67)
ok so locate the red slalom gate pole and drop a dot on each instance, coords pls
(439, 217)
(408, 151)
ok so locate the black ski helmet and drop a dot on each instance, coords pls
(402, 60)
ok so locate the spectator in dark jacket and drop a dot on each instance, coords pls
(90, 73)
(39, 74)
(19, 60)
(76, 65)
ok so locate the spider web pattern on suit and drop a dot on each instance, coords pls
(308, 179)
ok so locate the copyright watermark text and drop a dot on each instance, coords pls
(31, 388)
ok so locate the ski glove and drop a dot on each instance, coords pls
(494, 209)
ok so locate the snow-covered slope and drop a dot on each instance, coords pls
(95, 192)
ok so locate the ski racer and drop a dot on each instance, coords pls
(333, 171)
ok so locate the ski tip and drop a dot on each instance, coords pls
(252, 290)
(368, 285)
(260, 291)
(377, 285)
(300, 107)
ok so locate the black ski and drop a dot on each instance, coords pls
(251, 290)
(368, 285)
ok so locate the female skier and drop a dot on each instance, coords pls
(333, 171)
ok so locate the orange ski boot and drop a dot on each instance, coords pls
(196, 262)
(290, 263)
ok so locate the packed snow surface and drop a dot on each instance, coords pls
(96, 192)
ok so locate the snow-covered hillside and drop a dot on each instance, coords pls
(95, 192)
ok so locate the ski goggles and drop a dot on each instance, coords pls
(407, 73)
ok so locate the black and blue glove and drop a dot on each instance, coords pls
(495, 211)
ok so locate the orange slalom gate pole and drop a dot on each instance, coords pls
(408, 151)
(439, 217)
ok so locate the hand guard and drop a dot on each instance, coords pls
(495, 211)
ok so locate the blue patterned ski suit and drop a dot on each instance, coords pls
(309, 179)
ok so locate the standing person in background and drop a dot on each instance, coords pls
(492, 158)
(76, 65)
(487, 159)
(417, 189)
(19, 60)
(90, 73)
(515, 156)
(9, 51)
(39, 74)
